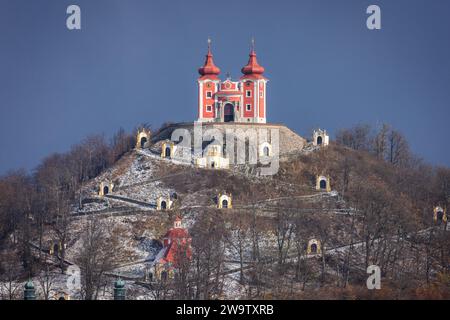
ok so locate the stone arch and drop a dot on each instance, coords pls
(224, 201)
(143, 142)
(105, 188)
(164, 203)
(323, 183)
(313, 247)
(440, 214)
(320, 138)
(143, 136)
(265, 149)
(168, 149)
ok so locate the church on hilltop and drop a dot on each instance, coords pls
(230, 113)
(232, 101)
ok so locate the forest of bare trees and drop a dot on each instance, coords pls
(31, 201)
(391, 192)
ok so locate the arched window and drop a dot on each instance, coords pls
(313, 248)
(225, 204)
(105, 190)
(266, 151)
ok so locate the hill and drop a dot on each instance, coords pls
(281, 236)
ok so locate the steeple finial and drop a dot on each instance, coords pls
(253, 44)
(209, 43)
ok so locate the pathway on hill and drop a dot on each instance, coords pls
(129, 200)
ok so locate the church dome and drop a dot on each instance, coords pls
(252, 66)
(209, 69)
(253, 69)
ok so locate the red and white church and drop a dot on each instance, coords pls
(232, 101)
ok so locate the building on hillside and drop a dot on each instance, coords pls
(439, 214)
(313, 247)
(321, 138)
(105, 188)
(323, 183)
(213, 157)
(243, 100)
(224, 201)
(143, 138)
(168, 149)
(176, 252)
(164, 203)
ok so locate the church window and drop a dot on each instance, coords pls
(208, 108)
(208, 94)
(261, 94)
(248, 107)
(248, 83)
(248, 93)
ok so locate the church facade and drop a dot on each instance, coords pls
(243, 100)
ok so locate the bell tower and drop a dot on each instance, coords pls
(208, 85)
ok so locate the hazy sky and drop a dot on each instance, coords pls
(136, 61)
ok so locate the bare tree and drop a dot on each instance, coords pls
(96, 256)
(46, 280)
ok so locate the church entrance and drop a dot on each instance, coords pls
(228, 113)
(167, 152)
(143, 142)
(319, 140)
(105, 190)
(163, 205)
(440, 216)
(313, 248)
(225, 204)
(323, 184)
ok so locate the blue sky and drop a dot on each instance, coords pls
(136, 61)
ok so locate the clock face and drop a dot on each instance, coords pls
(227, 85)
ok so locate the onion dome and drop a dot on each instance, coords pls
(119, 284)
(29, 285)
(209, 69)
(253, 69)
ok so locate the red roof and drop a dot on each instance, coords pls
(176, 233)
(209, 70)
(177, 243)
(252, 70)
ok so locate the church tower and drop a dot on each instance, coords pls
(232, 101)
(208, 84)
